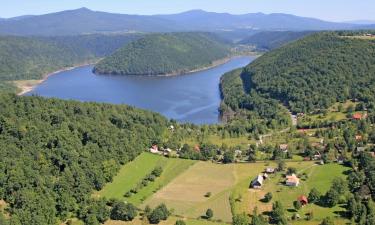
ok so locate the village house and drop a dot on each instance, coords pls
(270, 170)
(317, 156)
(257, 182)
(303, 200)
(340, 159)
(154, 149)
(361, 149)
(292, 180)
(284, 148)
(358, 137)
(359, 116)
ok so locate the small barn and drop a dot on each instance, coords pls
(292, 180)
(257, 182)
(303, 200)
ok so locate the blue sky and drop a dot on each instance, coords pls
(333, 10)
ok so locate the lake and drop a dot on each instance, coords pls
(193, 98)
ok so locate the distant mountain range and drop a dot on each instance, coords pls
(85, 21)
(363, 22)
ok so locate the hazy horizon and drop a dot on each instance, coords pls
(334, 10)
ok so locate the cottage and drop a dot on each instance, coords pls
(361, 149)
(303, 200)
(358, 138)
(237, 153)
(359, 116)
(257, 182)
(283, 147)
(154, 149)
(317, 156)
(340, 159)
(270, 170)
(292, 180)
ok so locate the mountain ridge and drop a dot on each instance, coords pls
(86, 21)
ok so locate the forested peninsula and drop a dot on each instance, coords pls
(165, 54)
(307, 75)
(32, 58)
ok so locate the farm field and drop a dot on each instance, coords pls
(134, 172)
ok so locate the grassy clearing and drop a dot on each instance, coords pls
(133, 172)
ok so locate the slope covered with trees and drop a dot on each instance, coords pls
(54, 153)
(315, 72)
(25, 58)
(161, 54)
(249, 111)
(269, 40)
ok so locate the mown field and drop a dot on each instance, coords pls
(134, 172)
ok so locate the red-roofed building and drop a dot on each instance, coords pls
(359, 116)
(303, 200)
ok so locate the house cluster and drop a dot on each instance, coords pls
(257, 183)
(162, 151)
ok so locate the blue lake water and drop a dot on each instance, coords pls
(191, 98)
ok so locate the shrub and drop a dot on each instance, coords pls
(209, 213)
(123, 211)
(268, 197)
(180, 222)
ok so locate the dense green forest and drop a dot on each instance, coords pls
(25, 58)
(160, 54)
(269, 40)
(250, 112)
(54, 153)
(315, 72)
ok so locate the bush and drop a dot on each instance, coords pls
(268, 197)
(180, 222)
(209, 213)
(297, 205)
(314, 196)
(123, 211)
(157, 171)
(208, 194)
(161, 212)
(327, 221)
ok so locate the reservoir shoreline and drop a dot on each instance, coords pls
(29, 85)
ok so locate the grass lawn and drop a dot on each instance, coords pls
(135, 171)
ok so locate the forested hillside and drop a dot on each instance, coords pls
(250, 112)
(54, 153)
(317, 71)
(160, 54)
(269, 40)
(25, 58)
